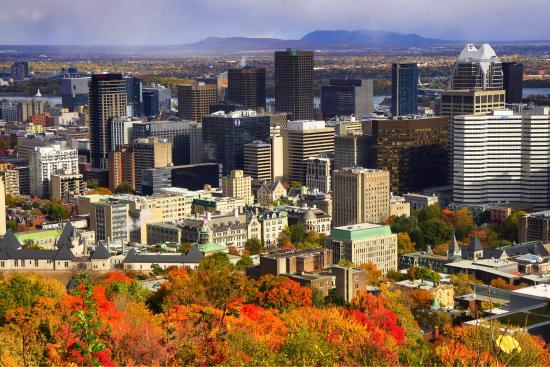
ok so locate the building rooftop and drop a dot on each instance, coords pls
(360, 231)
(539, 290)
(38, 235)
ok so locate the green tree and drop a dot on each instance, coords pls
(185, 247)
(156, 270)
(436, 231)
(56, 211)
(463, 223)
(124, 188)
(508, 229)
(93, 184)
(244, 262)
(254, 246)
(11, 225)
(317, 297)
(428, 213)
(13, 201)
(220, 279)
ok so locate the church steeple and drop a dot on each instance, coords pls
(454, 251)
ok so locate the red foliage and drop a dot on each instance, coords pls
(282, 293)
(117, 276)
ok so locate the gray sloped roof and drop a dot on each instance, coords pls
(192, 256)
(475, 244)
(66, 235)
(9, 241)
(100, 253)
(64, 253)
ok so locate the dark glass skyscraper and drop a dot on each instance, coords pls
(134, 95)
(224, 137)
(20, 70)
(404, 89)
(294, 83)
(246, 87)
(513, 81)
(345, 97)
(156, 98)
(107, 100)
(74, 93)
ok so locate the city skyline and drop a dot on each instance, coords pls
(171, 22)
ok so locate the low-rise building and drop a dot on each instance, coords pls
(535, 227)
(314, 219)
(295, 261)
(269, 192)
(419, 201)
(218, 205)
(399, 206)
(501, 211)
(66, 187)
(272, 223)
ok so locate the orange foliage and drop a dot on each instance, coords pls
(282, 293)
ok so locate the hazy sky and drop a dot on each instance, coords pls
(142, 22)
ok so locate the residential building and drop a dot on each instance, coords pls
(195, 99)
(418, 159)
(48, 160)
(500, 211)
(345, 97)
(477, 69)
(237, 185)
(535, 227)
(74, 93)
(360, 195)
(28, 109)
(318, 174)
(272, 224)
(150, 153)
(121, 166)
(303, 140)
(224, 136)
(110, 221)
(121, 132)
(218, 205)
(486, 171)
(10, 175)
(107, 100)
(246, 87)
(157, 100)
(185, 136)
(364, 243)
(66, 187)
(404, 89)
(294, 83)
(257, 160)
(513, 81)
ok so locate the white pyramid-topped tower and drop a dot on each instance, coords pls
(477, 68)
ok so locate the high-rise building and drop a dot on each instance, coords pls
(192, 177)
(420, 158)
(513, 81)
(345, 97)
(48, 160)
(237, 185)
(246, 87)
(74, 93)
(276, 141)
(28, 109)
(502, 157)
(194, 100)
(360, 196)
(185, 136)
(150, 153)
(303, 140)
(318, 174)
(157, 99)
(8, 112)
(471, 102)
(134, 96)
(477, 69)
(20, 70)
(294, 83)
(224, 136)
(364, 243)
(2, 208)
(351, 151)
(107, 101)
(257, 160)
(121, 132)
(121, 166)
(404, 89)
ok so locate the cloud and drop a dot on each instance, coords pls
(142, 22)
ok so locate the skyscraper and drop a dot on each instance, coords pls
(513, 81)
(345, 97)
(477, 69)
(74, 93)
(150, 153)
(156, 99)
(134, 89)
(194, 100)
(257, 160)
(224, 136)
(404, 89)
(294, 83)
(246, 87)
(20, 70)
(360, 196)
(107, 101)
(303, 140)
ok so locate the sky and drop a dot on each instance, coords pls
(171, 22)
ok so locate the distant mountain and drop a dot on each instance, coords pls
(317, 40)
(378, 38)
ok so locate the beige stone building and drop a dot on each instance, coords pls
(399, 207)
(471, 102)
(276, 142)
(11, 179)
(303, 140)
(360, 196)
(270, 192)
(272, 225)
(257, 160)
(364, 243)
(150, 153)
(237, 185)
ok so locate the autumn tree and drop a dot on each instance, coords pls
(281, 293)
(254, 246)
(404, 243)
